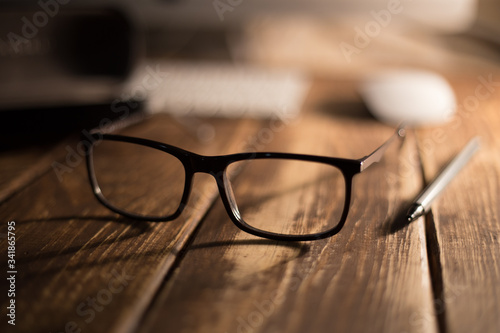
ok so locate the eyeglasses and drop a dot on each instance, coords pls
(278, 196)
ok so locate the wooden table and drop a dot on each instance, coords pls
(82, 268)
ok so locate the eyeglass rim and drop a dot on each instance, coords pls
(217, 167)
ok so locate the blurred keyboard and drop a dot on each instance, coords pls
(222, 90)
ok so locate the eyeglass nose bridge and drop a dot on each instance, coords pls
(212, 165)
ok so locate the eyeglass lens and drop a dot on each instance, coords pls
(138, 179)
(286, 196)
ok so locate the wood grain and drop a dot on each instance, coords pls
(369, 277)
(82, 267)
(465, 224)
(19, 167)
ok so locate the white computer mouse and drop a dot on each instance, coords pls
(416, 97)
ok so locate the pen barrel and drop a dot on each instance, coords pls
(452, 169)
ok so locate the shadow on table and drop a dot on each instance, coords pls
(398, 221)
(302, 247)
(137, 228)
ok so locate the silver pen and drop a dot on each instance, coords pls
(423, 202)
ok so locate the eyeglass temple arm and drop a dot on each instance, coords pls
(377, 154)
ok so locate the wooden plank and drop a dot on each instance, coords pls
(465, 224)
(12, 163)
(83, 268)
(21, 167)
(369, 277)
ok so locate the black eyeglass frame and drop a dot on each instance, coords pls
(217, 167)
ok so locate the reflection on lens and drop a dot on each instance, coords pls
(138, 179)
(288, 196)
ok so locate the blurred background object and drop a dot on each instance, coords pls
(412, 97)
(62, 66)
(51, 55)
(73, 53)
(60, 52)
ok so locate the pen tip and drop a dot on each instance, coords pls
(415, 212)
